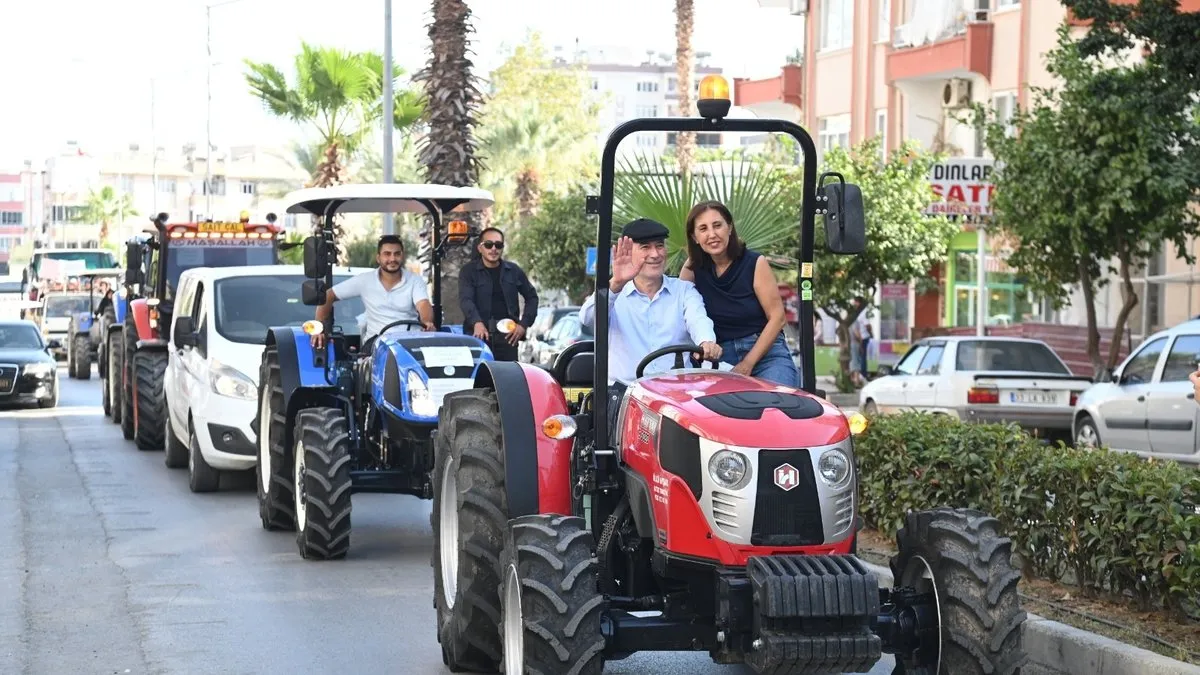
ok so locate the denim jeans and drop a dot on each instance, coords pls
(776, 365)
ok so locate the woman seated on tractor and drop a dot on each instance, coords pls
(740, 294)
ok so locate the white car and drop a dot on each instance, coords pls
(980, 379)
(218, 332)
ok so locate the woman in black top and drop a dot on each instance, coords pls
(740, 295)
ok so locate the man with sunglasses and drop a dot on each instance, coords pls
(487, 291)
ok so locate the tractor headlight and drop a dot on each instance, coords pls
(420, 402)
(834, 468)
(729, 469)
(231, 382)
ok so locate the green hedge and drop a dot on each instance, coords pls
(1111, 521)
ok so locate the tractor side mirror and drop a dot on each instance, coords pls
(314, 257)
(312, 292)
(845, 221)
(457, 232)
(185, 333)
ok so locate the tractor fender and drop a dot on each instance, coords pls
(119, 302)
(152, 345)
(537, 468)
(302, 381)
(638, 490)
(141, 318)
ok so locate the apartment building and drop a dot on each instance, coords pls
(901, 69)
(14, 208)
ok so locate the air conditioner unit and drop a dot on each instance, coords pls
(798, 7)
(956, 94)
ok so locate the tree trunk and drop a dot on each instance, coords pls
(1129, 300)
(685, 143)
(1087, 285)
(448, 150)
(528, 194)
(331, 172)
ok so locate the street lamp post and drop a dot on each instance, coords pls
(389, 114)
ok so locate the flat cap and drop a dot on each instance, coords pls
(645, 230)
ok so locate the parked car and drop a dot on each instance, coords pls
(1147, 406)
(28, 374)
(566, 331)
(981, 379)
(535, 337)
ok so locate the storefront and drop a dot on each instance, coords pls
(1008, 301)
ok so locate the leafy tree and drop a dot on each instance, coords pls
(1169, 33)
(1098, 177)
(524, 148)
(104, 208)
(903, 244)
(448, 151)
(552, 246)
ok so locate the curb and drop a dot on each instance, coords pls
(842, 400)
(1066, 649)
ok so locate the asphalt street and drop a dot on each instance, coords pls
(109, 564)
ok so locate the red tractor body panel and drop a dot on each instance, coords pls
(553, 456)
(677, 511)
(141, 319)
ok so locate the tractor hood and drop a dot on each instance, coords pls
(734, 409)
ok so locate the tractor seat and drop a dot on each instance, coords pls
(574, 367)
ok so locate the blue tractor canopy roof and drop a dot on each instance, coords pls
(387, 198)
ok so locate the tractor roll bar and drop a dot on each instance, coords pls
(604, 208)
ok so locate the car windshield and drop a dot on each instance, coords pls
(1031, 357)
(92, 260)
(66, 305)
(19, 337)
(230, 253)
(247, 306)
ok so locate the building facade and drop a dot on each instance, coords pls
(14, 214)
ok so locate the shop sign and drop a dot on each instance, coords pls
(963, 187)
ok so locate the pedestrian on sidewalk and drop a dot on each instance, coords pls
(488, 287)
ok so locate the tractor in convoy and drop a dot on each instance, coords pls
(356, 417)
(135, 349)
(87, 328)
(718, 515)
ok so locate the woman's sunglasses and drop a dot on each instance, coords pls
(499, 245)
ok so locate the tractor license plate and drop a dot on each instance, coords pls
(1034, 397)
(221, 227)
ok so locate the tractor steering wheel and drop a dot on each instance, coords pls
(402, 322)
(678, 351)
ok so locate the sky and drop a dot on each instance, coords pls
(85, 70)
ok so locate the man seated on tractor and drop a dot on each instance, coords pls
(388, 293)
(647, 310)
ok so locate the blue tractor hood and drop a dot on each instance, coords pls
(411, 372)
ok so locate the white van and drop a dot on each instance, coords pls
(212, 385)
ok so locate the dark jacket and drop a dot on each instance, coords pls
(475, 293)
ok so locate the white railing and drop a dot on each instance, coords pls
(932, 21)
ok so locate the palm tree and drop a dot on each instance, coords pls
(685, 143)
(448, 149)
(105, 207)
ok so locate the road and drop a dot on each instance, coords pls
(109, 564)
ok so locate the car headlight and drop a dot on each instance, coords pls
(231, 382)
(40, 368)
(834, 468)
(729, 469)
(420, 402)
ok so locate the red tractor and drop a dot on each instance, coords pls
(137, 344)
(721, 518)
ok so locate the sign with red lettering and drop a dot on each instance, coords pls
(963, 187)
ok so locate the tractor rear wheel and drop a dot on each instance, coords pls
(112, 373)
(551, 601)
(960, 556)
(81, 357)
(322, 485)
(469, 519)
(276, 505)
(149, 371)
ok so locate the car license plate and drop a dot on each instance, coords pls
(5, 385)
(1036, 397)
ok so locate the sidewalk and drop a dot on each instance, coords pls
(832, 395)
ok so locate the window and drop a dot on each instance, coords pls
(1030, 357)
(11, 217)
(1140, 368)
(646, 111)
(647, 141)
(1002, 4)
(247, 187)
(833, 132)
(1181, 360)
(883, 20)
(1005, 106)
(218, 186)
(246, 307)
(647, 87)
(837, 24)
(672, 85)
(908, 364)
(881, 130)
(166, 185)
(933, 359)
(595, 84)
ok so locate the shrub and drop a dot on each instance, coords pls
(1115, 522)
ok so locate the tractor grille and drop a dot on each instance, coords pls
(786, 517)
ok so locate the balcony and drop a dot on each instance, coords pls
(779, 97)
(943, 38)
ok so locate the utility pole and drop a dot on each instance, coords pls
(389, 111)
(207, 114)
(153, 148)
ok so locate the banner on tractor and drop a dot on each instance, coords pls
(218, 241)
(963, 187)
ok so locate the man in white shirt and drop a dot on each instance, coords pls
(389, 294)
(647, 310)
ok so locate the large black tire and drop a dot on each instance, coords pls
(149, 370)
(976, 585)
(322, 483)
(129, 347)
(176, 456)
(201, 476)
(468, 486)
(112, 383)
(81, 357)
(276, 500)
(551, 601)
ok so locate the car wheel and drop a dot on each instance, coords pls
(1087, 435)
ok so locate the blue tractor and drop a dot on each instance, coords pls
(352, 417)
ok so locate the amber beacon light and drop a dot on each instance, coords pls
(713, 102)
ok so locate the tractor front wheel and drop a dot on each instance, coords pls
(81, 358)
(276, 503)
(112, 374)
(960, 557)
(149, 371)
(321, 471)
(551, 602)
(469, 519)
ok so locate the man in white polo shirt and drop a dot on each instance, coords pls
(388, 293)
